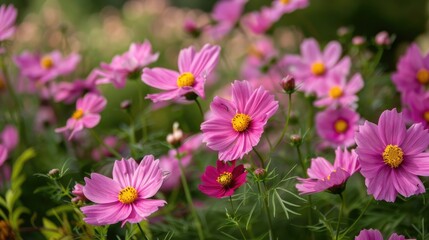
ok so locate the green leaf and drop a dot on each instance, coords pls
(52, 233)
(17, 213)
(19, 163)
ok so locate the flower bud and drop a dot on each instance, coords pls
(126, 104)
(54, 173)
(296, 139)
(342, 31)
(382, 39)
(288, 84)
(358, 40)
(260, 172)
(190, 27)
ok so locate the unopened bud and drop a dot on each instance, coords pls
(358, 40)
(342, 31)
(296, 139)
(178, 134)
(126, 104)
(54, 173)
(191, 28)
(288, 84)
(170, 139)
(260, 172)
(382, 39)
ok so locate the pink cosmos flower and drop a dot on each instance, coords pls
(313, 69)
(129, 63)
(418, 110)
(78, 192)
(226, 14)
(169, 163)
(392, 157)
(412, 75)
(87, 114)
(259, 22)
(68, 92)
(234, 127)
(341, 93)
(337, 126)
(7, 21)
(193, 70)
(281, 7)
(9, 139)
(125, 197)
(42, 69)
(325, 177)
(373, 234)
(223, 180)
(259, 55)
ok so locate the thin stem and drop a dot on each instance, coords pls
(236, 223)
(267, 211)
(141, 230)
(289, 106)
(199, 107)
(339, 216)
(301, 160)
(189, 200)
(261, 159)
(110, 149)
(357, 219)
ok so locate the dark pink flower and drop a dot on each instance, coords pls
(392, 157)
(222, 181)
(373, 234)
(418, 110)
(9, 138)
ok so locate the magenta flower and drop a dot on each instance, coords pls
(313, 69)
(7, 21)
(418, 110)
(281, 7)
(223, 180)
(125, 197)
(87, 114)
(129, 63)
(78, 193)
(42, 69)
(68, 92)
(373, 234)
(193, 70)
(9, 138)
(234, 127)
(226, 14)
(341, 93)
(325, 177)
(412, 73)
(337, 126)
(392, 157)
(259, 22)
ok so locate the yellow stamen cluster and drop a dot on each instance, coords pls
(318, 68)
(335, 92)
(224, 179)
(186, 79)
(127, 195)
(393, 155)
(285, 1)
(78, 114)
(341, 126)
(423, 76)
(46, 62)
(240, 122)
(426, 116)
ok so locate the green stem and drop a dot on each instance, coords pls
(289, 106)
(111, 150)
(261, 159)
(357, 220)
(267, 211)
(141, 230)
(301, 160)
(236, 223)
(199, 107)
(189, 199)
(339, 216)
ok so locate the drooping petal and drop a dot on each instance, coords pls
(145, 207)
(108, 213)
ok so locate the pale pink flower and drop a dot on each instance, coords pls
(226, 14)
(7, 21)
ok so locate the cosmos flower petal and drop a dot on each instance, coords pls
(392, 127)
(123, 171)
(104, 214)
(97, 194)
(416, 140)
(417, 164)
(147, 178)
(160, 78)
(370, 234)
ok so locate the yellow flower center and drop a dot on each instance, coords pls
(46, 62)
(127, 195)
(423, 76)
(240, 122)
(426, 116)
(78, 114)
(393, 155)
(335, 92)
(187, 79)
(285, 1)
(341, 126)
(253, 51)
(224, 179)
(318, 68)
